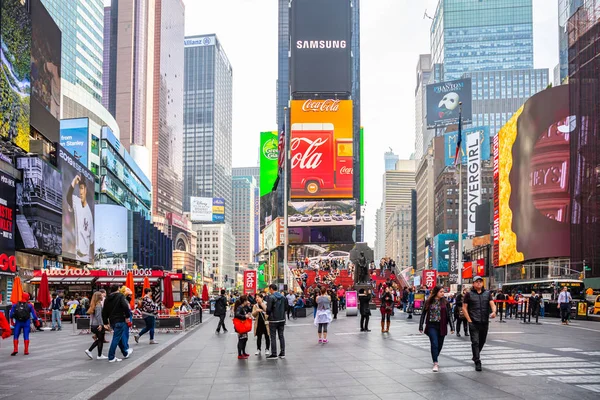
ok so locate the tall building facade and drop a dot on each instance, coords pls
(379, 233)
(106, 57)
(244, 221)
(422, 138)
(216, 250)
(566, 9)
(397, 187)
(207, 121)
(398, 235)
(390, 160)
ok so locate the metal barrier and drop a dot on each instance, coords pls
(164, 323)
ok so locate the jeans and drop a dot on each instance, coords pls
(120, 331)
(276, 329)
(437, 342)
(314, 312)
(564, 311)
(221, 323)
(478, 331)
(542, 311)
(56, 322)
(150, 321)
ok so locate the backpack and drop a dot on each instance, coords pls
(22, 312)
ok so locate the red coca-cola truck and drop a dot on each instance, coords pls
(318, 161)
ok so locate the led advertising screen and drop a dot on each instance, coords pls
(46, 41)
(15, 72)
(207, 209)
(111, 237)
(7, 223)
(320, 44)
(322, 213)
(78, 208)
(322, 234)
(321, 146)
(269, 153)
(450, 139)
(39, 207)
(316, 254)
(442, 103)
(74, 137)
(531, 180)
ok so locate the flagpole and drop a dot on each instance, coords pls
(460, 202)
(285, 197)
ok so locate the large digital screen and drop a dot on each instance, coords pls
(111, 236)
(321, 213)
(78, 208)
(322, 234)
(321, 147)
(320, 43)
(531, 180)
(7, 221)
(450, 139)
(443, 103)
(207, 209)
(315, 254)
(39, 207)
(15, 74)
(74, 137)
(269, 153)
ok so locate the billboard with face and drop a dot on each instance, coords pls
(531, 180)
(74, 137)
(111, 236)
(443, 103)
(78, 208)
(321, 37)
(15, 68)
(321, 146)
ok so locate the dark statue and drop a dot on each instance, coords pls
(361, 256)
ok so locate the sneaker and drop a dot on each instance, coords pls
(246, 356)
(89, 354)
(153, 342)
(457, 334)
(129, 351)
(137, 338)
(225, 330)
(272, 357)
(115, 360)
(217, 332)
(257, 352)
(101, 357)
(53, 329)
(325, 341)
(320, 340)
(436, 367)
(59, 328)
(241, 358)
(267, 352)
(478, 366)
(282, 356)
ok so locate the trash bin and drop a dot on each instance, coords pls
(582, 310)
(212, 306)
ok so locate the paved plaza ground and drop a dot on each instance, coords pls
(547, 361)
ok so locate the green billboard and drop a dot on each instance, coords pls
(268, 161)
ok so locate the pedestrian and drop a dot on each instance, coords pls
(542, 305)
(342, 296)
(221, 311)
(564, 305)
(314, 295)
(437, 315)
(501, 300)
(364, 300)
(56, 306)
(85, 304)
(334, 303)
(477, 306)
(149, 310)
(261, 325)
(459, 314)
(115, 314)
(242, 324)
(21, 313)
(387, 306)
(291, 299)
(97, 326)
(324, 317)
(276, 315)
(411, 303)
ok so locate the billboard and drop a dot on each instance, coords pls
(450, 139)
(273, 235)
(7, 223)
(453, 262)
(321, 147)
(269, 153)
(322, 234)
(320, 44)
(322, 213)
(442, 103)
(39, 207)
(317, 253)
(78, 208)
(429, 278)
(441, 251)
(111, 237)
(473, 180)
(74, 137)
(207, 209)
(46, 40)
(15, 76)
(250, 281)
(531, 180)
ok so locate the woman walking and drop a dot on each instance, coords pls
(241, 309)
(387, 306)
(95, 313)
(436, 316)
(323, 317)
(261, 326)
(149, 310)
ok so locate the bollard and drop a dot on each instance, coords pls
(73, 323)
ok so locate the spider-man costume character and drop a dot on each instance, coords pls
(22, 324)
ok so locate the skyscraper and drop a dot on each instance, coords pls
(397, 187)
(244, 221)
(422, 134)
(208, 121)
(566, 9)
(390, 160)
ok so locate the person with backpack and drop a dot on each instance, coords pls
(21, 313)
(149, 310)
(276, 315)
(56, 306)
(221, 311)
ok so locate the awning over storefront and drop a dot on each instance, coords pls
(68, 280)
(121, 280)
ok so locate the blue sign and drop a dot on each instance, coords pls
(218, 209)
(450, 139)
(74, 137)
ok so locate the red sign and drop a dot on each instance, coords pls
(8, 263)
(98, 273)
(250, 281)
(481, 267)
(430, 278)
(467, 272)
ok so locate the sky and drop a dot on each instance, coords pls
(393, 34)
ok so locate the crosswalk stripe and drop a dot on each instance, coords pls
(443, 369)
(593, 388)
(590, 353)
(554, 372)
(541, 365)
(567, 349)
(576, 379)
(501, 358)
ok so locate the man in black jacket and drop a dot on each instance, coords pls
(116, 312)
(276, 317)
(477, 305)
(221, 311)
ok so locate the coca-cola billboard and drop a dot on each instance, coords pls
(321, 147)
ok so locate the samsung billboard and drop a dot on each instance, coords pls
(320, 46)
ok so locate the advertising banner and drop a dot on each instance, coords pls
(473, 180)
(351, 303)
(74, 137)
(78, 208)
(429, 278)
(467, 271)
(442, 103)
(273, 234)
(440, 250)
(15, 79)
(322, 213)
(322, 234)
(320, 42)
(218, 209)
(268, 161)
(201, 209)
(7, 223)
(531, 173)
(450, 139)
(453, 263)
(250, 281)
(312, 255)
(111, 237)
(321, 149)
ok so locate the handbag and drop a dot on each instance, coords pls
(242, 326)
